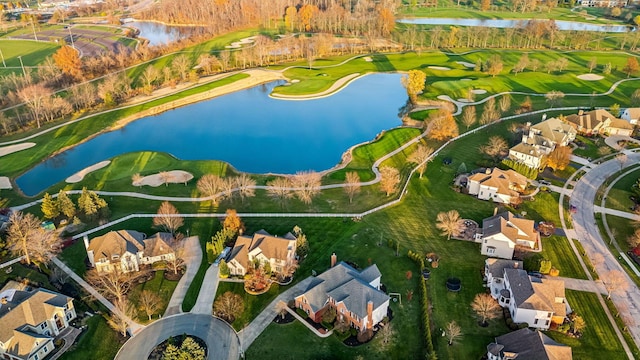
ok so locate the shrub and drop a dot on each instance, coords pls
(424, 305)
(545, 266)
(224, 269)
(364, 336)
(523, 325)
(302, 313)
(521, 168)
(554, 272)
(564, 328)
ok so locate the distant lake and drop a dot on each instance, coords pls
(495, 23)
(248, 129)
(160, 34)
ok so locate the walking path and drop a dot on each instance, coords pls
(204, 304)
(69, 335)
(618, 213)
(250, 333)
(306, 323)
(134, 327)
(192, 258)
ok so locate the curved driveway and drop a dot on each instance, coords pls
(222, 341)
(583, 198)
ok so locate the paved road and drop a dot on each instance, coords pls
(192, 258)
(586, 229)
(222, 341)
(204, 304)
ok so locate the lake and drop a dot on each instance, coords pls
(252, 131)
(494, 23)
(160, 34)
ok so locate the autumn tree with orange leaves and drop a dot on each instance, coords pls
(442, 126)
(68, 60)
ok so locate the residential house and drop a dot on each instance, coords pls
(527, 344)
(631, 115)
(603, 3)
(497, 185)
(537, 302)
(540, 140)
(501, 233)
(263, 248)
(30, 319)
(494, 273)
(599, 122)
(126, 250)
(355, 295)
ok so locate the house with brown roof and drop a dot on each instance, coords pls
(599, 122)
(126, 250)
(540, 140)
(527, 344)
(503, 186)
(355, 295)
(632, 115)
(501, 234)
(30, 319)
(261, 248)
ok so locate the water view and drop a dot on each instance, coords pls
(250, 130)
(493, 23)
(160, 34)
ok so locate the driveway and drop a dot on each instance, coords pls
(204, 304)
(222, 341)
(582, 285)
(192, 258)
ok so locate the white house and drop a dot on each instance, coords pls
(497, 185)
(599, 122)
(527, 344)
(537, 302)
(262, 248)
(631, 115)
(355, 295)
(30, 320)
(494, 273)
(540, 140)
(127, 250)
(501, 233)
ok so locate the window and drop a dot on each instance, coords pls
(549, 315)
(43, 325)
(535, 322)
(546, 322)
(36, 357)
(342, 311)
(46, 349)
(115, 257)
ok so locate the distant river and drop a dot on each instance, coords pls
(493, 23)
(248, 129)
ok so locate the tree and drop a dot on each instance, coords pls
(420, 156)
(168, 218)
(280, 189)
(592, 64)
(119, 323)
(302, 245)
(615, 110)
(505, 103)
(442, 126)
(352, 184)
(494, 65)
(35, 96)
(181, 65)
(189, 349)
(26, 237)
(559, 158)
(67, 59)
(228, 306)
(414, 82)
(495, 148)
(484, 6)
(66, 205)
(136, 179)
(92, 205)
(165, 177)
(522, 64)
(622, 158)
(149, 76)
(149, 302)
(490, 112)
(449, 223)
(246, 186)
(232, 222)
(578, 324)
(554, 97)
(176, 261)
(307, 185)
(614, 281)
(469, 116)
(224, 269)
(49, 207)
(634, 239)
(486, 307)
(389, 179)
(631, 66)
(453, 332)
(211, 186)
(386, 335)
(635, 98)
(281, 308)
(113, 284)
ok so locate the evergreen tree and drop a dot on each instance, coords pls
(66, 206)
(50, 209)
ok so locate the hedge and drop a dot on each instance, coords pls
(424, 303)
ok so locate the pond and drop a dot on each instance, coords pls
(252, 131)
(161, 34)
(494, 23)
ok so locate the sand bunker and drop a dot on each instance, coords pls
(441, 68)
(173, 177)
(5, 183)
(77, 177)
(479, 91)
(465, 79)
(367, 59)
(239, 44)
(6, 150)
(590, 77)
(466, 64)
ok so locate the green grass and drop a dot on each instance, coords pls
(599, 340)
(74, 256)
(623, 328)
(32, 52)
(97, 342)
(160, 286)
(591, 146)
(204, 228)
(618, 197)
(586, 259)
(20, 272)
(558, 250)
(253, 304)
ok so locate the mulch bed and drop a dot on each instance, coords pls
(169, 275)
(287, 319)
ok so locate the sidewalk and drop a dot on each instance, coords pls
(306, 323)
(618, 213)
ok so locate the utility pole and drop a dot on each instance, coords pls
(22, 66)
(71, 36)
(2, 56)
(33, 26)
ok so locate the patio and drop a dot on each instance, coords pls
(468, 230)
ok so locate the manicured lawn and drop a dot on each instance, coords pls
(599, 340)
(158, 285)
(253, 304)
(20, 272)
(74, 257)
(618, 197)
(558, 250)
(591, 146)
(98, 342)
(32, 52)
(586, 259)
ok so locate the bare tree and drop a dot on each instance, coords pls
(496, 147)
(181, 65)
(386, 335)
(614, 281)
(389, 179)
(622, 158)
(449, 223)
(228, 306)
(210, 185)
(554, 97)
(149, 76)
(592, 64)
(352, 184)
(228, 185)
(177, 261)
(119, 323)
(26, 237)
(634, 239)
(150, 302)
(453, 332)
(307, 184)
(136, 179)
(113, 285)
(280, 189)
(486, 307)
(420, 157)
(281, 309)
(168, 218)
(166, 177)
(469, 116)
(505, 103)
(246, 186)
(35, 96)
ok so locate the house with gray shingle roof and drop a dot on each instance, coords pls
(540, 140)
(355, 295)
(126, 250)
(494, 275)
(501, 234)
(526, 344)
(263, 248)
(30, 320)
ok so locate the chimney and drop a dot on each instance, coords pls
(495, 211)
(89, 252)
(581, 112)
(334, 259)
(86, 241)
(369, 314)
